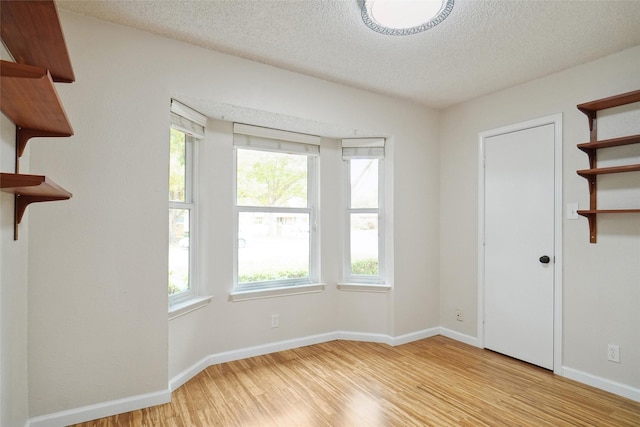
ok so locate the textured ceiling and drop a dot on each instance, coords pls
(483, 46)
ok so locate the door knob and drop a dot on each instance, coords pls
(545, 259)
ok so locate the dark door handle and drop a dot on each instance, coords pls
(545, 259)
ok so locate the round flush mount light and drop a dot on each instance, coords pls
(404, 17)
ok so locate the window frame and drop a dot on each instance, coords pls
(348, 276)
(312, 209)
(189, 204)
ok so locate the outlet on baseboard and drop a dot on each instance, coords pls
(613, 353)
(459, 315)
(275, 320)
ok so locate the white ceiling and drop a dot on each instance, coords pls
(483, 46)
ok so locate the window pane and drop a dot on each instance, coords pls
(178, 250)
(271, 179)
(364, 183)
(177, 169)
(272, 246)
(364, 244)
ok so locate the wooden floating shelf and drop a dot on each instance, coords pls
(32, 33)
(30, 189)
(591, 108)
(30, 100)
(587, 173)
(607, 211)
(592, 214)
(590, 147)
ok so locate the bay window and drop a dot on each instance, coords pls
(187, 126)
(364, 189)
(276, 208)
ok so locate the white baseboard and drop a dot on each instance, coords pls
(100, 410)
(243, 353)
(414, 336)
(91, 412)
(105, 409)
(467, 339)
(363, 336)
(602, 383)
(260, 350)
(573, 374)
(184, 376)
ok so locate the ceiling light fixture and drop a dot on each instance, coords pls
(404, 17)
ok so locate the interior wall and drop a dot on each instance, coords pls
(98, 328)
(601, 282)
(13, 289)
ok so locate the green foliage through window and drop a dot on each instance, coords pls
(272, 275)
(271, 179)
(367, 267)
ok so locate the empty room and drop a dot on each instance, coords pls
(288, 213)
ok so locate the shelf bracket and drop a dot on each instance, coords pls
(593, 228)
(591, 116)
(20, 206)
(593, 225)
(16, 214)
(23, 135)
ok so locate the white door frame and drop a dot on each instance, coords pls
(556, 120)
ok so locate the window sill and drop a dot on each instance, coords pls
(363, 287)
(186, 307)
(236, 296)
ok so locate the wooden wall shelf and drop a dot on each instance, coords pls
(30, 189)
(589, 147)
(591, 108)
(592, 147)
(604, 211)
(31, 32)
(30, 100)
(586, 173)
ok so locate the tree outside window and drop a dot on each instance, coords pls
(274, 216)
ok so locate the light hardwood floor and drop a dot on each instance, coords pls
(431, 382)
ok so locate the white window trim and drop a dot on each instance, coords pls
(193, 125)
(189, 306)
(238, 295)
(283, 142)
(190, 204)
(363, 287)
(351, 280)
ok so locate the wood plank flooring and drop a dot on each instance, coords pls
(431, 382)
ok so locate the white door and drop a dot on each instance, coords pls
(519, 211)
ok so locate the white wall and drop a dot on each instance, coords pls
(13, 289)
(98, 327)
(97, 318)
(601, 281)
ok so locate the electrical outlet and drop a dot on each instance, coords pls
(459, 315)
(613, 353)
(275, 320)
